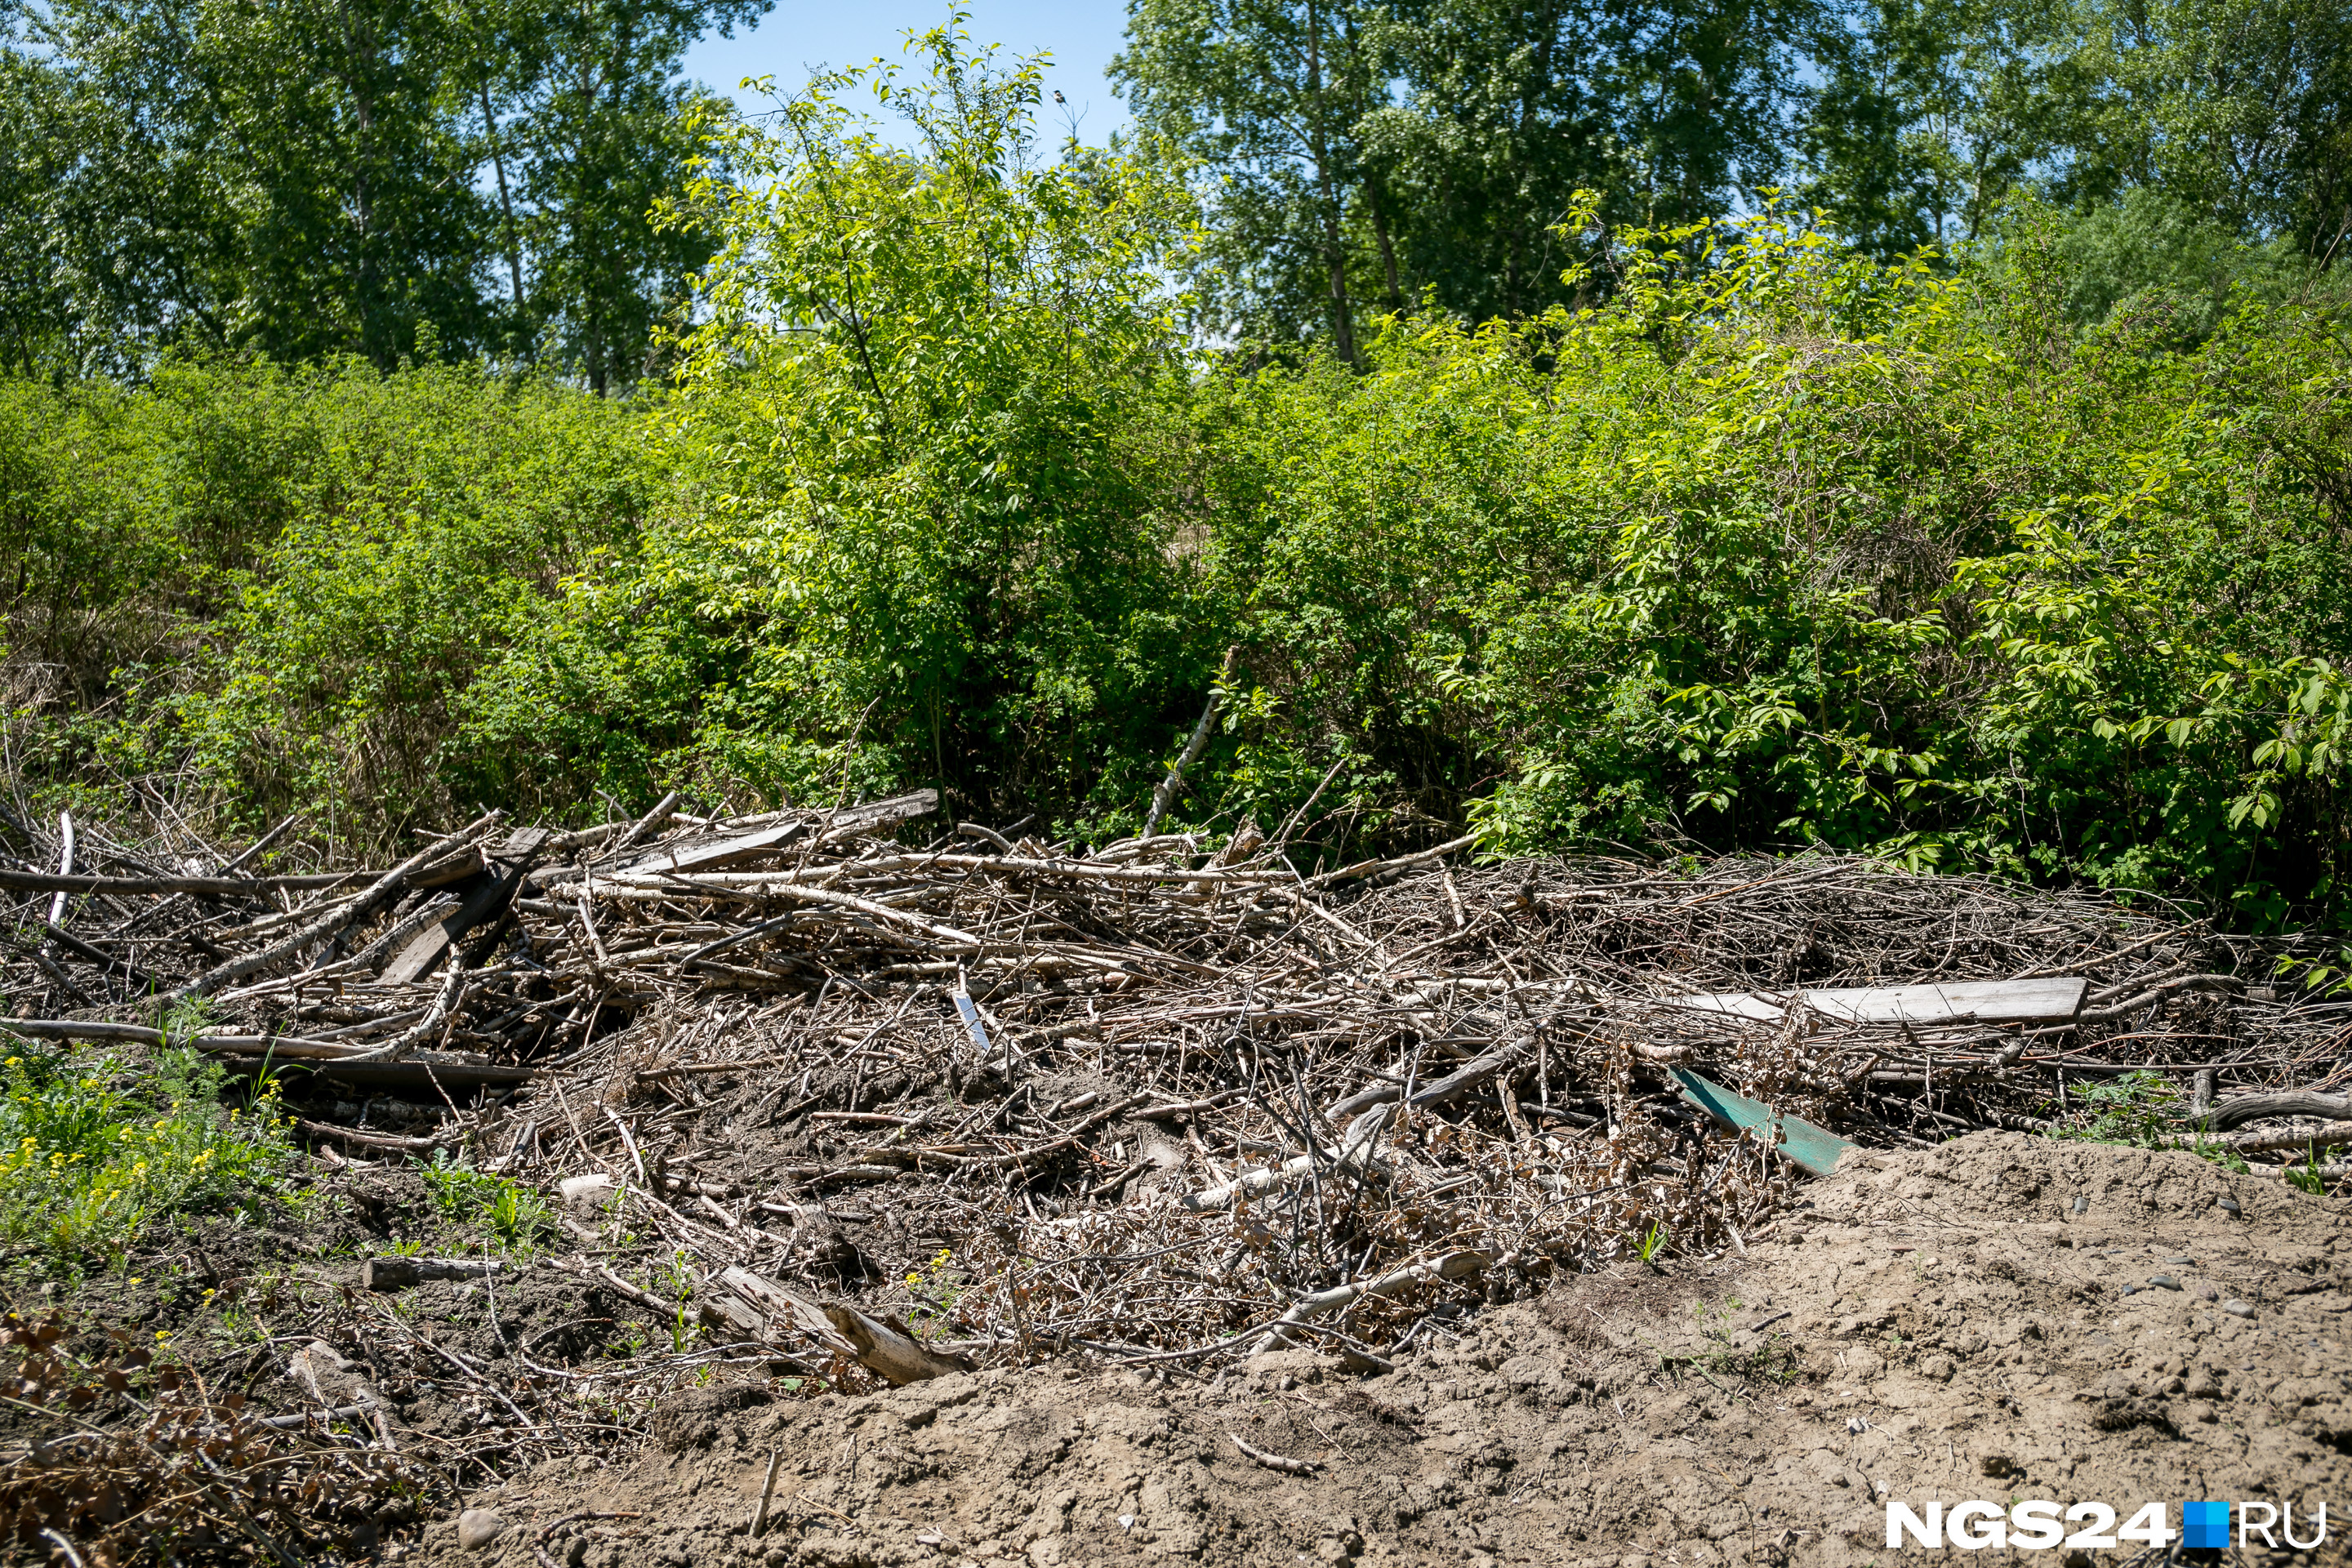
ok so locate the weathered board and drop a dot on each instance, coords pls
(425, 948)
(712, 854)
(880, 815)
(2053, 999)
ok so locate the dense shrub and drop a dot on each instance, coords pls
(1788, 547)
(1777, 546)
(290, 578)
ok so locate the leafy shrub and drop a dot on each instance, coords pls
(293, 575)
(946, 389)
(1777, 546)
(90, 1156)
(1782, 546)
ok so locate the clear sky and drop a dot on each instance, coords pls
(1081, 35)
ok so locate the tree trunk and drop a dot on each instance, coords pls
(1335, 255)
(505, 204)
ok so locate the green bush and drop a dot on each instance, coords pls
(1783, 547)
(1779, 546)
(947, 391)
(293, 577)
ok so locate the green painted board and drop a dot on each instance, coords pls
(1809, 1146)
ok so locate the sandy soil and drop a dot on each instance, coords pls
(1975, 1320)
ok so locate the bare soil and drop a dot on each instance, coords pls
(1973, 1321)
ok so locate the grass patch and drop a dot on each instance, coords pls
(95, 1149)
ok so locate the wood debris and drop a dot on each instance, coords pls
(889, 1097)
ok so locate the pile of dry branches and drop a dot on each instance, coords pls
(883, 1100)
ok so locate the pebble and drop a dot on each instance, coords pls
(2180, 1260)
(2237, 1309)
(2081, 1205)
(2229, 1205)
(2206, 1293)
(2163, 1281)
(586, 1195)
(2131, 1290)
(478, 1529)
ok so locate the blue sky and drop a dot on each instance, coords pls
(1082, 35)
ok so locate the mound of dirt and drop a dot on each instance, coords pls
(2003, 1317)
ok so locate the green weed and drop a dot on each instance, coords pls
(2310, 1176)
(509, 1211)
(2146, 1110)
(2141, 1108)
(1770, 1360)
(94, 1150)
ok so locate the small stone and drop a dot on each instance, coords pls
(2163, 1281)
(2131, 1290)
(2229, 1205)
(2237, 1309)
(2081, 1205)
(586, 1195)
(2180, 1260)
(2206, 1293)
(478, 1529)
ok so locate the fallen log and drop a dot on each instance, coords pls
(2239, 1109)
(384, 1275)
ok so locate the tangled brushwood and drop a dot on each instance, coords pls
(829, 1098)
(144, 1461)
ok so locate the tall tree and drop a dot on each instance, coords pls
(584, 125)
(1431, 146)
(1931, 113)
(2236, 113)
(383, 177)
(285, 176)
(1272, 95)
(2242, 108)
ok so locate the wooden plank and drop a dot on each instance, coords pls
(1816, 1148)
(2053, 1000)
(425, 948)
(880, 815)
(714, 853)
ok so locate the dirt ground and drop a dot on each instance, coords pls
(1989, 1319)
